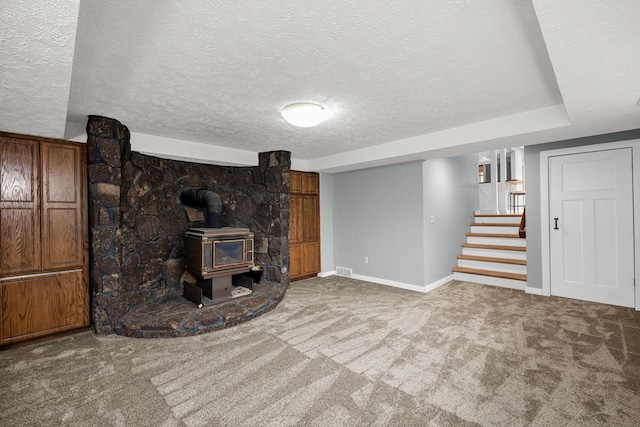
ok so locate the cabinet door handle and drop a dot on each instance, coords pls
(556, 227)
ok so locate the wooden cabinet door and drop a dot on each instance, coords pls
(295, 261)
(19, 207)
(62, 223)
(296, 219)
(311, 220)
(296, 182)
(310, 258)
(42, 304)
(304, 225)
(310, 183)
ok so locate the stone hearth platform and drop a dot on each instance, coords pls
(175, 316)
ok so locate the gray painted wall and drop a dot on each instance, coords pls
(532, 178)
(450, 196)
(327, 263)
(384, 214)
(377, 213)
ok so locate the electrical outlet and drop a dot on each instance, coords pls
(366, 260)
(432, 219)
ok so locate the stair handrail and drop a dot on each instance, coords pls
(522, 230)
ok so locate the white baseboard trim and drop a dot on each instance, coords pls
(386, 282)
(533, 291)
(438, 283)
(407, 286)
(327, 273)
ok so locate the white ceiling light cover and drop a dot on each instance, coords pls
(304, 114)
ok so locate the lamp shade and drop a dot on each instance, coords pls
(303, 114)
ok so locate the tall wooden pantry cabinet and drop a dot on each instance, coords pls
(44, 237)
(304, 225)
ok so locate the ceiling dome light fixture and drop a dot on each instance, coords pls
(303, 114)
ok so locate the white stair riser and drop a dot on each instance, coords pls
(493, 281)
(493, 266)
(497, 219)
(494, 230)
(495, 253)
(499, 241)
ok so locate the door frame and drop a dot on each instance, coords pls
(634, 144)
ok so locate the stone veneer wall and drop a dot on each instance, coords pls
(137, 220)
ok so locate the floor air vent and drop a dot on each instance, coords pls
(344, 272)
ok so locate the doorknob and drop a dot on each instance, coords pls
(556, 227)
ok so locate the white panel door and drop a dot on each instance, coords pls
(591, 221)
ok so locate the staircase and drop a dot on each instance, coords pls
(494, 254)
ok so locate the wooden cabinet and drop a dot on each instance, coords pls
(44, 237)
(304, 225)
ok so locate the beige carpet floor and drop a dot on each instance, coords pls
(339, 352)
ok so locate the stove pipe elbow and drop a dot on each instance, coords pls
(200, 198)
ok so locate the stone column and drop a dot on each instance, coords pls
(106, 139)
(272, 248)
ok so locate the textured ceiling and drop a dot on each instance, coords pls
(415, 77)
(36, 50)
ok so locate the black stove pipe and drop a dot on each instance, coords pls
(200, 198)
